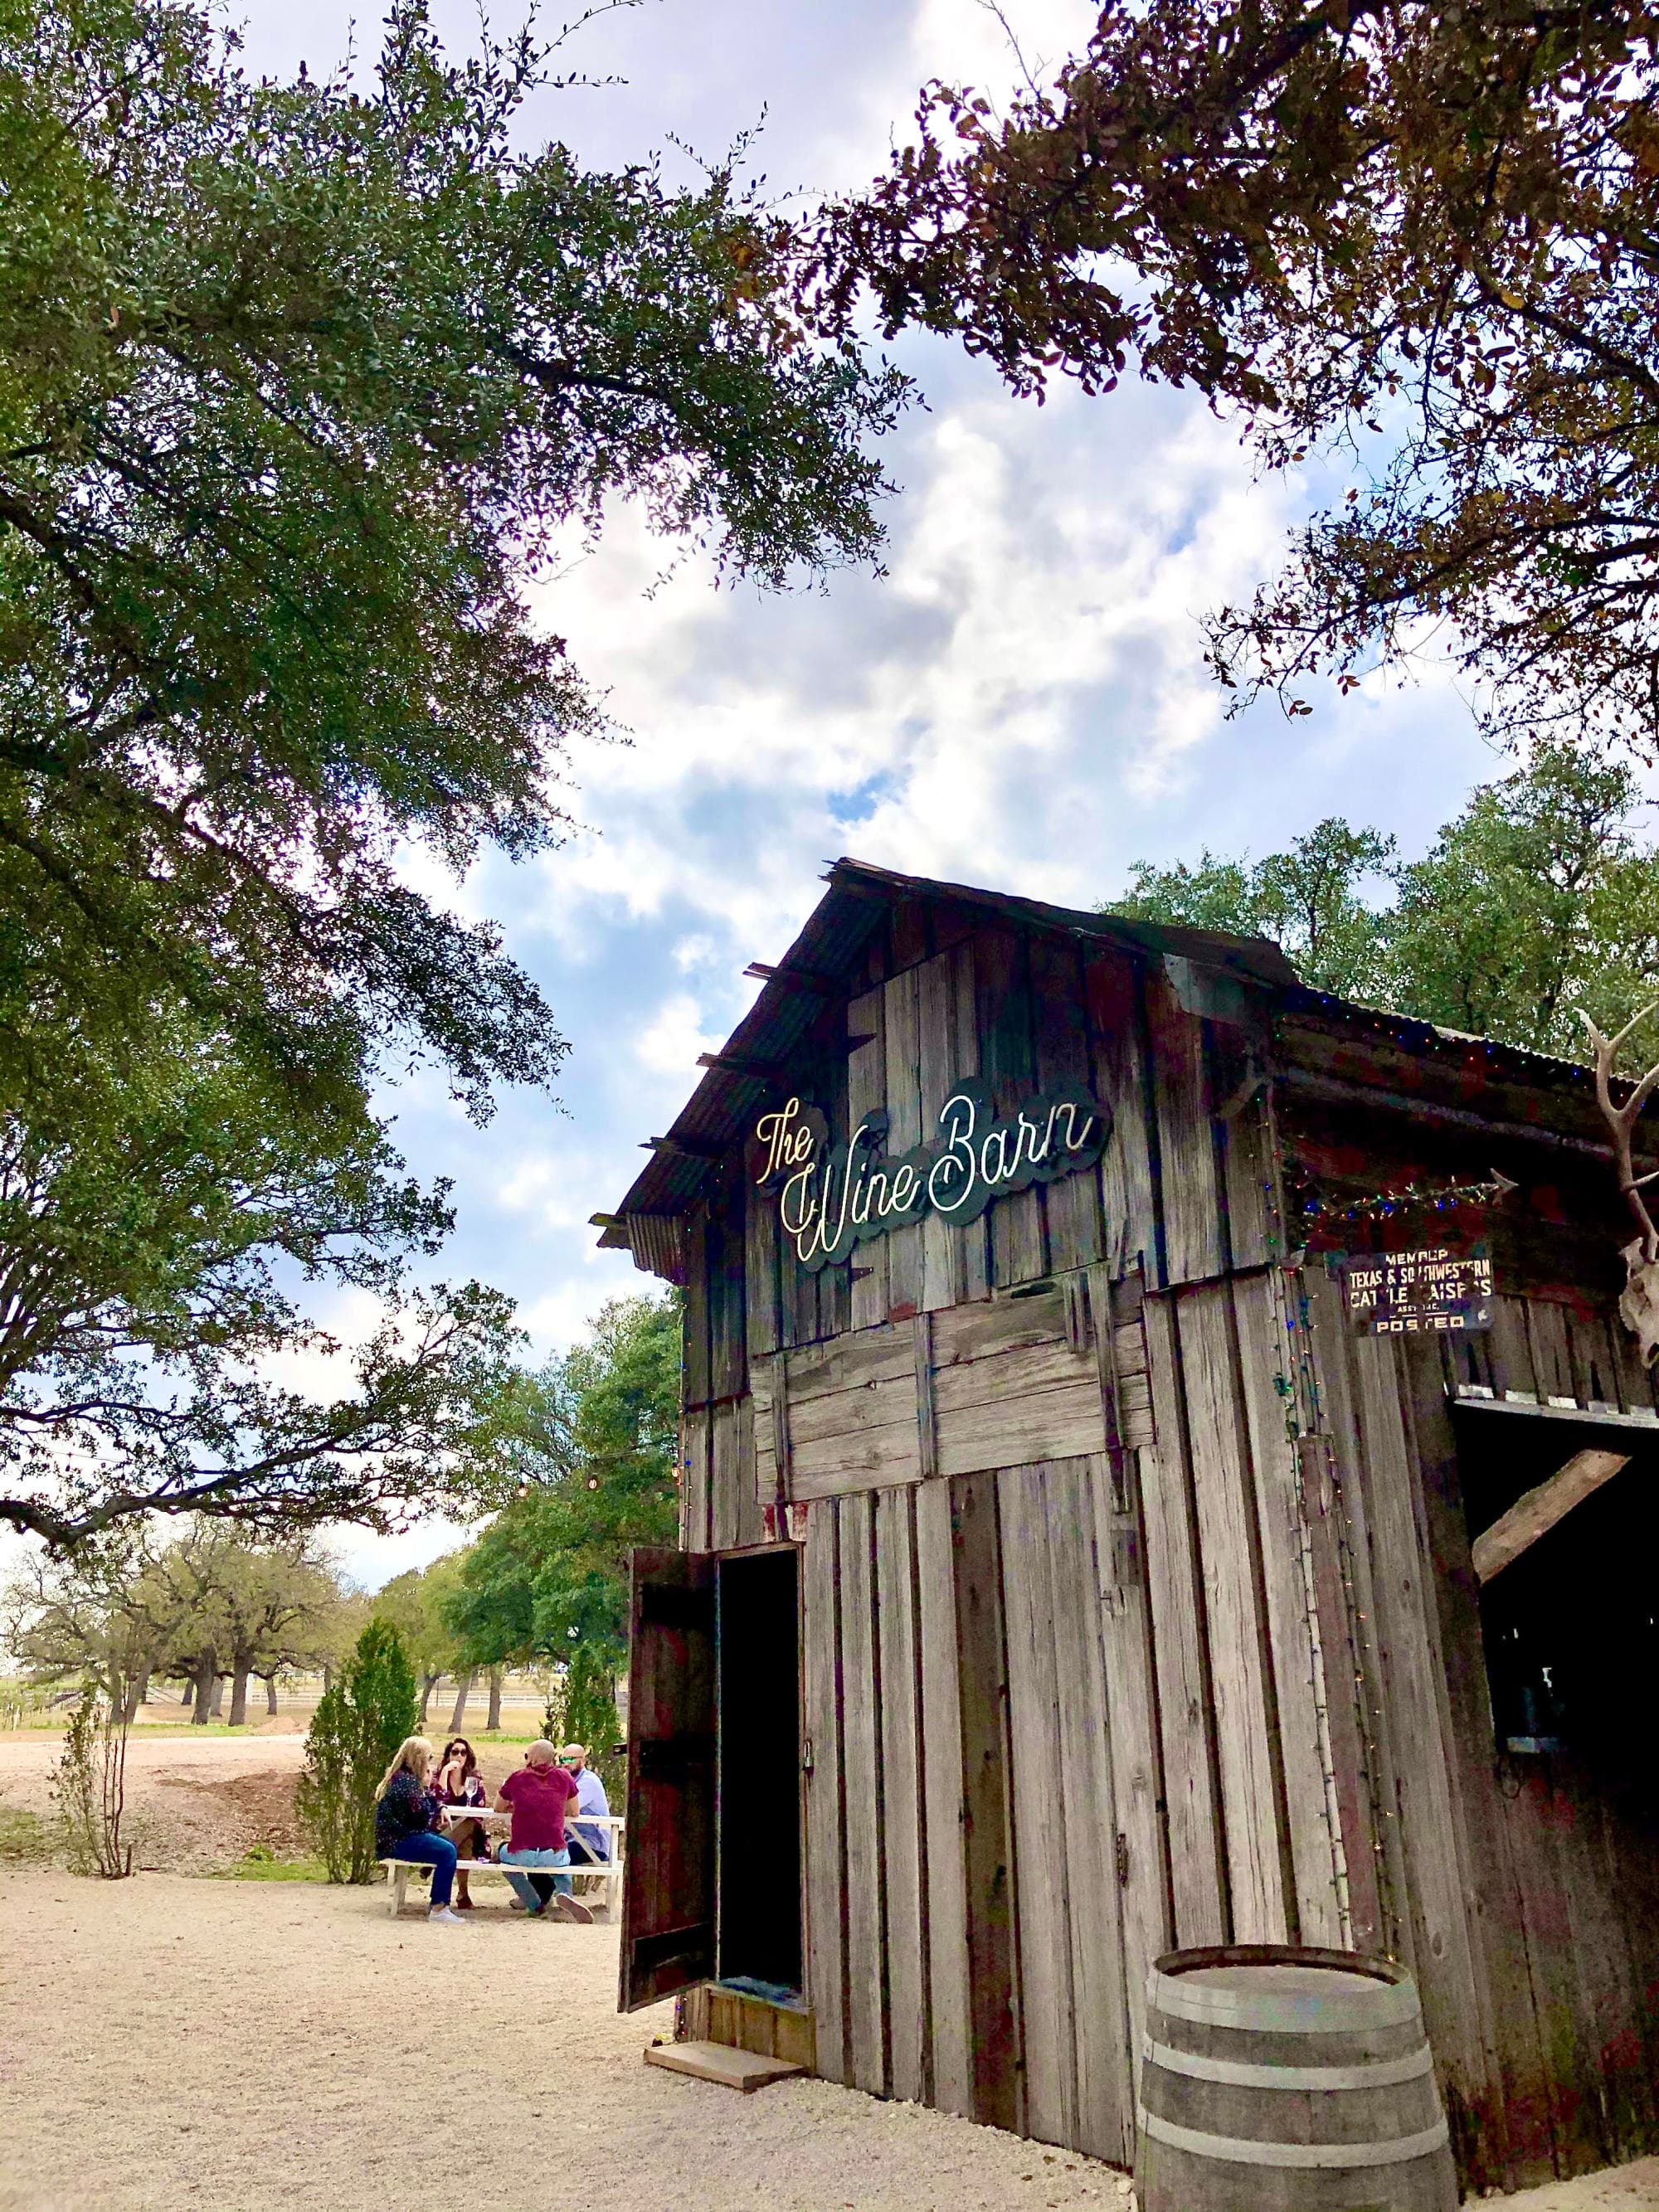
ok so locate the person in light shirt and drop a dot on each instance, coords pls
(589, 1845)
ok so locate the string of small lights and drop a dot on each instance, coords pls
(1415, 1196)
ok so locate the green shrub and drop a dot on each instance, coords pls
(591, 1718)
(357, 1726)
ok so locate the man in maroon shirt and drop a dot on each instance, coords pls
(538, 1795)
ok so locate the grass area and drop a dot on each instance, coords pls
(25, 1837)
(261, 1864)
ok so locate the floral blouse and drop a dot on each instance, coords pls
(405, 1810)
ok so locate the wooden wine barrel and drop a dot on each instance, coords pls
(1280, 2080)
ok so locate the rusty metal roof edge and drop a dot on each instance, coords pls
(1410, 1030)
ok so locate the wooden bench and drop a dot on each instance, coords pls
(398, 1871)
(609, 1877)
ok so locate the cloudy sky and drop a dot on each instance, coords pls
(1018, 703)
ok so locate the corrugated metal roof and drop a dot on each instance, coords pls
(1542, 1067)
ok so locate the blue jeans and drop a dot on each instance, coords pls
(542, 1859)
(437, 1852)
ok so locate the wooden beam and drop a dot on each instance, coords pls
(1537, 1513)
(694, 1148)
(926, 1418)
(731, 1063)
(800, 979)
(1471, 1399)
(1340, 1091)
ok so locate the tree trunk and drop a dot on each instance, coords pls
(189, 1693)
(428, 1684)
(494, 1720)
(463, 1691)
(328, 1679)
(216, 1710)
(206, 1683)
(129, 1702)
(142, 1686)
(270, 1695)
(239, 1692)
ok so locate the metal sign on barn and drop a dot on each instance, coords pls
(1428, 1291)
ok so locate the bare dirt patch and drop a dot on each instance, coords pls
(196, 1804)
(199, 1803)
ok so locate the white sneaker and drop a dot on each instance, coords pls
(443, 1913)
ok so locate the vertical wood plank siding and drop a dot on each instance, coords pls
(902, 1809)
(1240, 1681)
(862, 1793)
(826, 1875)
(1048, 2004)
(1211, 1671)
(944, 1807)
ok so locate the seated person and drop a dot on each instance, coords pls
(538, 1795)
(458, 1782)
(589, 1845)
(405, 1816)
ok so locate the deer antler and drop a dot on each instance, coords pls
(1621, 1119)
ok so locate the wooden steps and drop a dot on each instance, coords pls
(717, 2062)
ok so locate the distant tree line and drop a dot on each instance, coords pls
(591, 1441)
(213, 1607)
(591, 1444)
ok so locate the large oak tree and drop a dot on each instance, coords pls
(1422, 236)
(302, 385)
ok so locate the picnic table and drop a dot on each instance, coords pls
(608, 1876)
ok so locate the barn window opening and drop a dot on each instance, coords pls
(1564, 1519)
(758, 1940)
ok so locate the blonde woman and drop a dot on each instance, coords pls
(405, 1816)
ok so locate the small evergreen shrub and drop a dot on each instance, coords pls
(357, 1726)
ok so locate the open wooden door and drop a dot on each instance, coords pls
(668, 1882)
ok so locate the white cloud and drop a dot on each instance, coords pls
(670, 1044)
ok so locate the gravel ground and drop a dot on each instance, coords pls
(176, 2045)
(168, 2044)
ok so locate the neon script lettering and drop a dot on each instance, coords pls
(833, 1197)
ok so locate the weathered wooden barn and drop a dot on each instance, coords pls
(1102, 1356)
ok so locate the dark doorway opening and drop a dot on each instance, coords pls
(758, 1772)
(1571, 1626)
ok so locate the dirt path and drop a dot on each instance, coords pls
(167, 2044)
(176, 2045)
